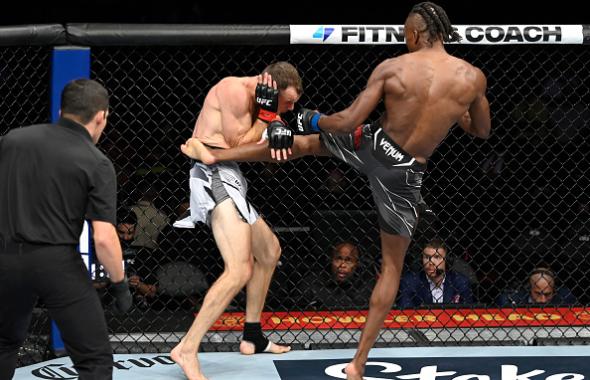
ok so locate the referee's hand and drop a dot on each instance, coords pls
(123, 299)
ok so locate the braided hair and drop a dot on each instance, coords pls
(437, 22)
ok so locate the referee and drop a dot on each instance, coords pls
(53, 177)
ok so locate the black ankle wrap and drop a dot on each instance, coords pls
(253, 334)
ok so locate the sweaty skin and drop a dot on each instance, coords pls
(425, 93)
(228, 116)
(234, 127)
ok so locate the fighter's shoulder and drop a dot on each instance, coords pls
(403, 59)
(393, 61)
(469, 68)
(478, 77)
(230, 90)
(388, 66)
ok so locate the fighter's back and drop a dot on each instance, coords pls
(426, 92)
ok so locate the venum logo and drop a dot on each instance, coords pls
(390, 150)
(508, 372)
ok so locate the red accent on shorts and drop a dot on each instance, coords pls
(358, 132)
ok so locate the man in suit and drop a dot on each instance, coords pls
(434, 285)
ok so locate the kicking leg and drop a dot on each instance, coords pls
(267, 251)
(233, 238)
(393, 250)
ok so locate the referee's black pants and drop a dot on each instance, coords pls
(56, 275)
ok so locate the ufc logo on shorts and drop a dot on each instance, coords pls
(265, 102)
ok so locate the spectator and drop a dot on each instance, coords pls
(435, 285)
(127, 230)
(139, 263)
(126, 227)
(150, 220)
(344, 286)
(541, 289)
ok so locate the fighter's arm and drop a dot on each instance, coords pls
(476, 121)
(357, 113)
(234, 105)
(252, 152)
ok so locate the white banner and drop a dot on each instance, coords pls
(472, 34)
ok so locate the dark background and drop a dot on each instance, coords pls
(286, 12)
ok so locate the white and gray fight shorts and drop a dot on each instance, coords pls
(212, 184)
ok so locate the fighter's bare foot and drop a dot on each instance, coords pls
(353, 372)
(247, 348)
(188, 362)
(197, 151)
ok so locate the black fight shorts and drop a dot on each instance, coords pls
(394, 175)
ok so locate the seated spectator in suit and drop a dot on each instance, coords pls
(434, 284)
(541, 289)
(341, 287)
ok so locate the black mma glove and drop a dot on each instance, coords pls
(123, 299)
(279, 135)
(307, 121)
(267, 99)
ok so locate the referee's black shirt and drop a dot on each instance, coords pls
(52, 177)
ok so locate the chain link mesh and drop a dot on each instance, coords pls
(502, 206)
(24, 86)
